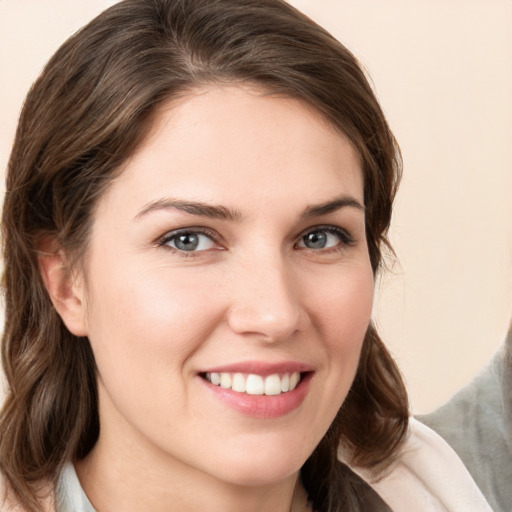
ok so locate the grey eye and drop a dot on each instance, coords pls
(190, 241)
(324, 238)
(187, 242)
(315, 240)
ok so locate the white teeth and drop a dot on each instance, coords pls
(294, 380)
(238, 383)
(273, 385)
(225, 380)
(253, 384)
(285, 383)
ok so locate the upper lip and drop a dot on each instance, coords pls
(261, 368)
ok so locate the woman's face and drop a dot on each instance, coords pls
(230, 254)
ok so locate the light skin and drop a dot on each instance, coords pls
(234, 237)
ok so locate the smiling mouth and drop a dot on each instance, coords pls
(253, 384)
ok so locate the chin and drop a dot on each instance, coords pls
(259, 467)
(251, 476)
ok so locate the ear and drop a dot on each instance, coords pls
(64, 287)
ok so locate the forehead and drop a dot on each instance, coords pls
(241, 143)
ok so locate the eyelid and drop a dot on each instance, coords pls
(163, 240)
(346, 238)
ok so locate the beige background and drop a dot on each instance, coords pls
(443, 72)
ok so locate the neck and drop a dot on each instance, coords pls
(128, 484)
(127, 472)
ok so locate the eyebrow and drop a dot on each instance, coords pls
(221, 212)
(331, 206)
(192, 207)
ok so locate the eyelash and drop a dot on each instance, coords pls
(346, 240)
(168, 237)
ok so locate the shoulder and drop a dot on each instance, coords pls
(478, 407)
(8, 503)
(428, 476)
(477, 424)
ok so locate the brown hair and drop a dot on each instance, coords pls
(86, 114)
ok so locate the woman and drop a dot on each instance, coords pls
(196, 204)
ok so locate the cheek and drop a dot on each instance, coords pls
(343, 315)
(343, 311)
(149, 319)
(144, 328)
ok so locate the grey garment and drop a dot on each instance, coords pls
(477, 423)
(69, 496)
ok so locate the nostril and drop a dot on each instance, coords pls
(271, 323)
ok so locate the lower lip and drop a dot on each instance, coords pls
(263, 406)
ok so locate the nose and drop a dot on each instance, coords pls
(266, 302)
